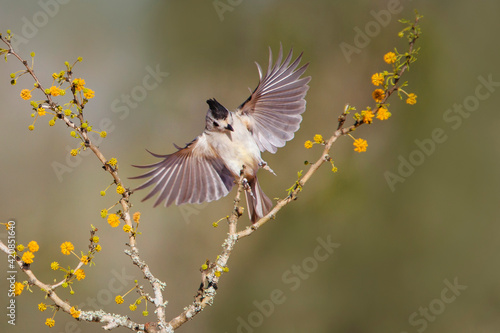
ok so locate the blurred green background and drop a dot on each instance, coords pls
(399, 250)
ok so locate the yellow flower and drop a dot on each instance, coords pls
(112, 161)
(95, 239)
(88, 93)
(132, 307)
(66, 248)
(28, 257)
(75, 313)
(318, 138)
(54, 265)
(41, 111)
(204, 267)
(42, 307)
(412, 99)
(383, 113)
(360, 145)
(73, 152)
(136, 217)
(55, 91)
(18, 288)
(104, 213)
(126, 228)
(98, 247)
(78, 83)
(31, 127)
(85, 259)
(390, 57)
(33, 246)
(103, 134)
(308, 144)
(378, 95)
(20, 247)
(25, 94)
(119, 299)
(120, 189)
(80, 274)
(377, 79)
(50, 322)
(367, 116)
(113, 220)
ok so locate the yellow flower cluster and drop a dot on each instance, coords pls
(412, 99)
(33, 246)
(377, 79)
(18, 288)
(66, 248)
(112, 162)
(113, 220)
(383, 113)
(318, 139)
(390, 57)
(50, 322)
(367, 116)
(88, 93)
(136, 217)
(80, 274)
(78, 84)
(360, 145)
(27, 257)
(378, 95)
(25, 94)
(75, 313)
(55, 91)
(120, 189)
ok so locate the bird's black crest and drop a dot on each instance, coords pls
(218, 110)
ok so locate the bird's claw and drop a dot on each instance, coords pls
(246, 187)
(265, 166)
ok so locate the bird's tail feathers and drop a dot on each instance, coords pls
(258, 204)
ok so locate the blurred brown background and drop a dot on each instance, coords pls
(399, 250)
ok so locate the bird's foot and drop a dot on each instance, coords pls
(265, 166)
(246, 187)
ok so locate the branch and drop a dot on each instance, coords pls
(206, 294)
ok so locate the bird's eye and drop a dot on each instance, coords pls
(215, 124)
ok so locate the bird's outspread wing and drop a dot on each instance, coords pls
(273, 111)
(193, 174)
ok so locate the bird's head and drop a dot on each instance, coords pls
(218, 119)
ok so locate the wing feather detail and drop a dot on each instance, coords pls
(273, 111)
(193, 174)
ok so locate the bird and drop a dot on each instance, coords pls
(230, 146)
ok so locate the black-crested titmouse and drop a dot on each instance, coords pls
(205, 169)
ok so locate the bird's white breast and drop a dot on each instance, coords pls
(237, 148)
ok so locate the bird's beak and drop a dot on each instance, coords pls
(229, 127)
